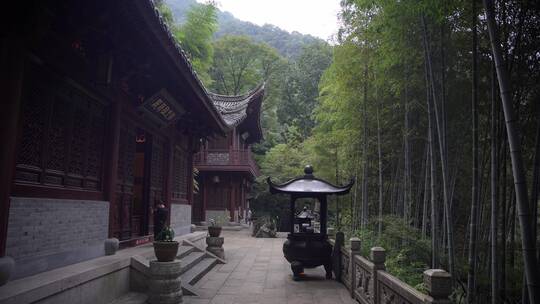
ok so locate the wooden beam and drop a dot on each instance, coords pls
(169, 177)
(11, 71)
(204, 181)
(111, 170)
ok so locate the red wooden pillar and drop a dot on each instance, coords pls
(243, 195)
(232, 145)
(189, 190)
(11, 71)
(111, 173)
(204, 183)
(233, 198)
(169, 176)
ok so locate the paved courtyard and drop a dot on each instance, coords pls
(257, 272)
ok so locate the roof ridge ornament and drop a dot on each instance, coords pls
(308, 171)
(309, 186)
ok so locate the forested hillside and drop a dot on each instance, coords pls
(288, 44)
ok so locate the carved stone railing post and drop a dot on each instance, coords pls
(356, 246)
(336, 255)
(331, 233)
(439, 285)
(378, 257)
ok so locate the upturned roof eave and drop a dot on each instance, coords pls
(242, 102)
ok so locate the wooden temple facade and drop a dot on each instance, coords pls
(226, 166)
(101, 116)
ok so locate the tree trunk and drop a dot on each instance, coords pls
(431, 139)
(528, 243)
(471, 286)
(425, 198)
(494, 203)
(364, 215)
(406, 168)
(354, 209)
(536, 185)
(380, 169)
(502, 279)
(440, 131)
(338, 221)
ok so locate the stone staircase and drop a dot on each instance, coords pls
(231, 226)
(196, 262)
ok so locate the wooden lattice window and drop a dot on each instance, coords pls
(157, 176)
(180, 174)
(62, 135)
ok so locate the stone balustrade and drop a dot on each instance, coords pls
(370, 283)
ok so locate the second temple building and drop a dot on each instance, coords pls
(225, 164)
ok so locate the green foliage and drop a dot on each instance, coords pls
(264, 226)
(195, 35)
(407, 254)
(166, 235)
(299, 88)
(288, 45)
(166, 13)
(240, 64)
(221, 220)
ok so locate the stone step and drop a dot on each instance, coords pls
(191, 260)
(184, 251)
(131, 298)
(198, 271)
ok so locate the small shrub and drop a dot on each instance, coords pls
(166, 235)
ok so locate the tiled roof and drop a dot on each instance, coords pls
(175, 46)
(233, 109)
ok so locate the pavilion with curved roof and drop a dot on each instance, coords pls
(225, 163)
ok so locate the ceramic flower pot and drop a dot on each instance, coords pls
(214, 231)
(165, 251)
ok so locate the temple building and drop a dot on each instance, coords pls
(101, 116)
(226, 168)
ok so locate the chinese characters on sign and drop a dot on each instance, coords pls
(160, 107)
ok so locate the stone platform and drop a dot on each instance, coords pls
(257, 272)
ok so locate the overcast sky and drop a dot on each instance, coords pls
(315, 17)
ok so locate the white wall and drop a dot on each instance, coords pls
(181, 218)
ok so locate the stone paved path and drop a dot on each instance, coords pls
(257, 272)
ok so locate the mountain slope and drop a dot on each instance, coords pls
(288, 44)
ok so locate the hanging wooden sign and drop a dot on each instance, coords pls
(162, 108)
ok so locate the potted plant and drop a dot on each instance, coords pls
(214, 230)
(165, 247)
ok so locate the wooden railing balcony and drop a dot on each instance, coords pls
(225, 158)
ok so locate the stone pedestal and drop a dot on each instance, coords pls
(378, 257)
(164, 284)
(331, 232)
(439, 285)
(111, 246)
(215, 246)
(6, 269)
